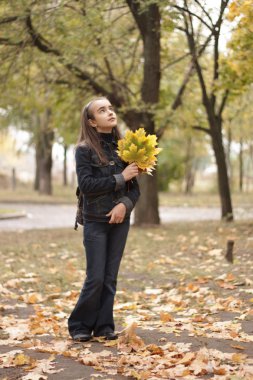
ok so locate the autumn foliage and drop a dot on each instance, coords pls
(139, 148)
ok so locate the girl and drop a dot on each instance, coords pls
(110, 192)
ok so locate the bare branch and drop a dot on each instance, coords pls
(198, 54)
(119, 17)
(202, 129)
(42, 44)
(204, 11)
(131, 67)
(182, 9)
(139, 17)
(8, 20)
(192, 48)
(223, 102)
(180, 28)
(115, 8)
(74, 9)
(179, 59)
(177, 102)
(116, 84)
(8, 42)
(216, 49)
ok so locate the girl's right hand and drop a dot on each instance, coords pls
(130, 171)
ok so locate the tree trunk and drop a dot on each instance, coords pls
(250, 167)
(65, 176)
(146, 211)
(189, 171)
(229, 137)
(148, 21)
(189, 179)
(13, 179)
(44, 154)
(210, 100)
(241, 166)
(35, 121)
(37, 166)
(223, 181)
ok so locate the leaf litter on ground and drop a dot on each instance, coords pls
(174, 282)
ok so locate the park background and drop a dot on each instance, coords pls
(183, 71)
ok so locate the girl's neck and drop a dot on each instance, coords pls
(105, 136)
(109, 130)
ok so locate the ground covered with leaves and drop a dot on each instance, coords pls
(181, 310)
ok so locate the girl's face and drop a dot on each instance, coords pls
(104, 117)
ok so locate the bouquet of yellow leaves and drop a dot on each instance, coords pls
(139, 148)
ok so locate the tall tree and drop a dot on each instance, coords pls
(91, 65)
(148, 21)
(213, 101)
(96, 47)
(238, 124)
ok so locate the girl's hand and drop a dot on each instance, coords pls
(117, 214)
(130, 171)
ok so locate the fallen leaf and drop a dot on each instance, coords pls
(238, 358)
(166, 317)
(129, 340)
(237, 346)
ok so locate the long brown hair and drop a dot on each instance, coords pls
(88, 134)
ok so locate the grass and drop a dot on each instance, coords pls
(4, 211)
(26, 193)
(66, 195)
(203, 199)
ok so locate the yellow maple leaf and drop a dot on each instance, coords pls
(139, 148)
(22, 359)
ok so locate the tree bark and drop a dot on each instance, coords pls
(147, 213)
(44, 154)
(229, 137)
(241, 166)
(148, 22)
(37, 166)
(189, 171)
(65, 176)
(223, 180)
(35, 122)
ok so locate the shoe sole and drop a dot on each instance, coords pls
(114, 338)
(81, 339)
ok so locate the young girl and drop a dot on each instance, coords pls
(110, 193)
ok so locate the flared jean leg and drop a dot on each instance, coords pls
(104, 246)
(85, 312)
(115, 247)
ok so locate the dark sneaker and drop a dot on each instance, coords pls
(111, 336)
(108, 335)
(81, 337)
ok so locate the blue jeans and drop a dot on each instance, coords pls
(104, 245)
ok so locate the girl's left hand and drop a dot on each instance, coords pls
(117, 214)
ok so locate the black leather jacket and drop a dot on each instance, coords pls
(103, 185)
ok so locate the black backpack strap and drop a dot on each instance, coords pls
(79, 211)
(76, 225)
